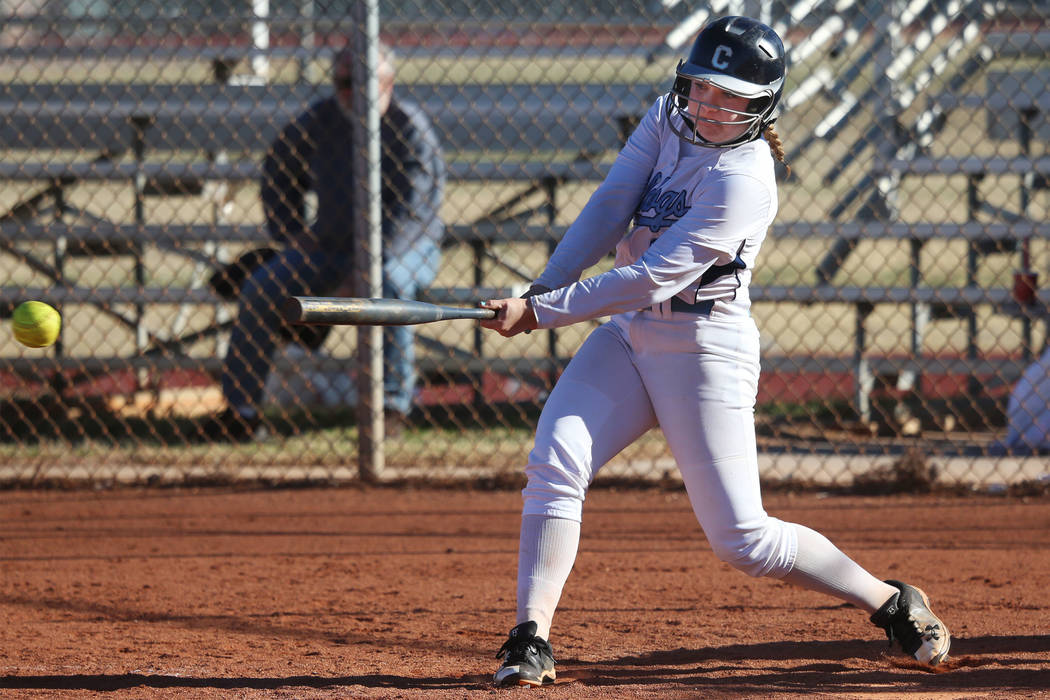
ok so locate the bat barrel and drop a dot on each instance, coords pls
(327, 311)
(354, 311)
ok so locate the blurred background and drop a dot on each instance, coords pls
(899, 294)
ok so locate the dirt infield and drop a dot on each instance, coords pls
(385, 593)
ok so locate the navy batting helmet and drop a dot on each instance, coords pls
(741, 56)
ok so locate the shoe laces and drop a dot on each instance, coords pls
(924, 632)
(911, 630)
(521, 647)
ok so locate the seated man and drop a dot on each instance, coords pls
(315, 152)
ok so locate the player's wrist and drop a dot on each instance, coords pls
(530, 319)
(534, 290)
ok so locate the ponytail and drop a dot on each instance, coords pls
(775, 146)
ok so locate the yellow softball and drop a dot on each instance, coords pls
(36, 324)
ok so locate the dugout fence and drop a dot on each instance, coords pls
(900, 292)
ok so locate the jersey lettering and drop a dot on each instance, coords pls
(667, 207)
(720, 59)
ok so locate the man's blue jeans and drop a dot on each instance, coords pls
(294, 273)
(402, 279)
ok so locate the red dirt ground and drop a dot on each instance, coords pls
(385, 593)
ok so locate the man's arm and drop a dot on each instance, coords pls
(413, 206)
(286, 179)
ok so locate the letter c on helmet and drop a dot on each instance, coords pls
(720, 59)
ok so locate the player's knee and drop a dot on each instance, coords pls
(760, 549)
(559, 469)
(551, 492)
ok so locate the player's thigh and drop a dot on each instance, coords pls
(597, 408)
(704, 402)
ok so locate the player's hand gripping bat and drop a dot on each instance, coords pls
(353, 311)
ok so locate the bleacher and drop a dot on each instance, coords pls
(181, 140)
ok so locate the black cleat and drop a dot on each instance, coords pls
(907, 618)
(527, 659)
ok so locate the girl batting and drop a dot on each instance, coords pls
(686, 205)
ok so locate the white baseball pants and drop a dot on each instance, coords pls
(697, 378)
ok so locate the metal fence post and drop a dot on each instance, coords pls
(367, 235)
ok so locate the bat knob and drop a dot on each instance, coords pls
(292, 310)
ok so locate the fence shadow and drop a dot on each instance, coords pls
(113, 682)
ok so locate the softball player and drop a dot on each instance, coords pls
(694, 189)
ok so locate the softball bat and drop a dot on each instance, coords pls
(353, 311)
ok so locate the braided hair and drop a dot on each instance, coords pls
(775, 146)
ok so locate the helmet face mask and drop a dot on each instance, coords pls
(742, 58)
(720, 121)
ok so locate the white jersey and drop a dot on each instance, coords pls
(687, 211)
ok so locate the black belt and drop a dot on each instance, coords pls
(700, 308)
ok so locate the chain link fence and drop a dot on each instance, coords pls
(147, 147)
